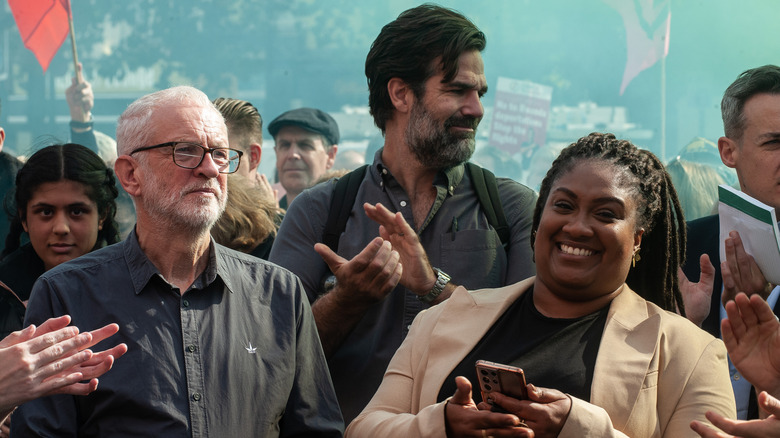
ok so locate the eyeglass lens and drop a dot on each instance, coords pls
(190, 156)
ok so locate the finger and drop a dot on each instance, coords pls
(397, 274)
(48, 340)
(77, 388)
(98, 369)
(55, 384)
(733, 324)
(707, 270)
(53, 324)
(725, 424)
(744, 260)
(97, 358)
(705, 431)
(731, 255)
(769, 404)
(379, 214)
(746, 313)
(544, 395)
(761, 310)
(727, 333)
(60, 366)
(18, 336)
(462, 394)
(729, 284)
(103, 333)
(384, 267)
(333, 260)
(402, 225)
(117, 352)
(377, 248)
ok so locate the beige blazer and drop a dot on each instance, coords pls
(655, 371)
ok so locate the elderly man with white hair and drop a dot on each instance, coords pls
(219, 343)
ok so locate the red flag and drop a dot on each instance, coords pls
(648, 23)
(43, 25)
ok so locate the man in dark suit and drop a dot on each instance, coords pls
(751, 145)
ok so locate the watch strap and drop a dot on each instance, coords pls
(441, 281)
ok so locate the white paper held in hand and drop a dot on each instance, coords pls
(756, 224)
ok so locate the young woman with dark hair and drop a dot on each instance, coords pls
(64, 200)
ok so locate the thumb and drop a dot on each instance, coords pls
(543, 395)
(463, 392)
(707, 270)
(769, 404)
(333, 260)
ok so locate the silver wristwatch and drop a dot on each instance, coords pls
(441, 281)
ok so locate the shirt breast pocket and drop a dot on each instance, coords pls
(474, 259)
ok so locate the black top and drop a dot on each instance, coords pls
(18, 270)
(553, 352)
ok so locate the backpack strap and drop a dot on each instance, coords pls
(344, 196)
(487, 191)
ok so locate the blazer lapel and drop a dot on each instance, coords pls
(463, 322)
(627, 348)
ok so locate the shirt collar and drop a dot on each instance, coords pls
(142, 269)
(448, 178)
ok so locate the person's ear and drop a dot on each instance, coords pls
(331, 156)
(638, 238)
(2, 139)
(401, 95)
(254, 155)
(127, 172)
(729, 151)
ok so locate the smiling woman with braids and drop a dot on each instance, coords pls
(596, 331)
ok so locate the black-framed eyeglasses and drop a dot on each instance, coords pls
(190, 155)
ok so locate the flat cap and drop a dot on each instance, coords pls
(310, 119)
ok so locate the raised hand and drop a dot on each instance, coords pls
(766, 428)
(418, 275)
(741, 272)
(697, 297)
(52, 359)
(752, 336)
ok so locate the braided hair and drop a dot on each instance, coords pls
(658, 212)
(72, 162)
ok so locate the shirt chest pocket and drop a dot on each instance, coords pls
(474, 259)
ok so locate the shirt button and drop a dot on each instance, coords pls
(403, 203)
(196, 396)
(384, 171)
(185, 303)
(452, 189)
(736, 376)
(191, 348)
(409, 327)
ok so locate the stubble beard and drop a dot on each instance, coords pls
(180, 210)
(432, 142)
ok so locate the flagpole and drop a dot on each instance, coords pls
(663, 83)
(79, 77)
(73, 47)
(663, 109)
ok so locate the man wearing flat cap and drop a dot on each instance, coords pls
(306, 145)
